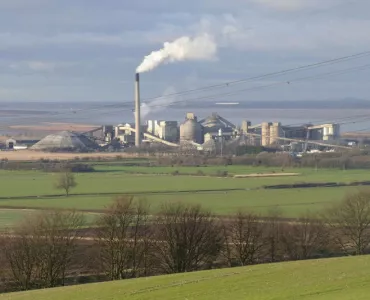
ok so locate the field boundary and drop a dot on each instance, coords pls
(316, 185)
(266, 187)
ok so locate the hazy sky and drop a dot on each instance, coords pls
(81, 50)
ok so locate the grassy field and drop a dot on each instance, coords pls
(157, 189)
(326, 279)
(291, 202)
(8, 217)
(22, 183)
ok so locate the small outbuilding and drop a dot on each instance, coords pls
(19, 144)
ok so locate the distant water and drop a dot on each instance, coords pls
(114, 113)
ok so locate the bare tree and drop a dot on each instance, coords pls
(246, 238)
(350, 222)
(123, 236)
(273, 230)
(304, 238)
(66, 181)
(188, 238)
(21, 255)
(40, 250)
(59, 232)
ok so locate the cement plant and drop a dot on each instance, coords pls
(205, 134)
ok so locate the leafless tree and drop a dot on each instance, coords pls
(273, 230)
(59, 232)
(350, 222)
(245, 238)
(123, 236)
(66, 181)
(40, 250)
(188, 238)
(21, 255)
(304, 238)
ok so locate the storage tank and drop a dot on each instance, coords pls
(275, 130)
(326, 131)
(331, 130)
(265, 134)
(191, 130)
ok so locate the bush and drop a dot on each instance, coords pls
(200, 173)
(222, 173)
(175, 173)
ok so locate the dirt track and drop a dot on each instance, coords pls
(266, 175)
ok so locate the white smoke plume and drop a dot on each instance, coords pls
(201, 47)
(159, 104)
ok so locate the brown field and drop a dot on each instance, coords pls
(356, 134)
(55, 127)
(29, 155)
(34, 132)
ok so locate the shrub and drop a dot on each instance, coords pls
(222, 173)
(200, 173)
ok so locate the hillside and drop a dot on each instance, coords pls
(339, 279)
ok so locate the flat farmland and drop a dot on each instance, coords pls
(292, 202)
(95, 190)
(116, 180)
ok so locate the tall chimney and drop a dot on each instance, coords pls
(137, 111)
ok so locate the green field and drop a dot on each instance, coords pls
(96, 190)
(9, 216)
(292, 202)
(326, 279)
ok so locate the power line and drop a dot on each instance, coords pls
(296, 69)
(318, 76)
(228, 84)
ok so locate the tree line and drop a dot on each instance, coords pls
(129, 241)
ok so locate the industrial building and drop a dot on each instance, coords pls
(166, 130)
(214, 129)
(206, 133)
(19, 144)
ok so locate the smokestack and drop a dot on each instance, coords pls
(137, 111)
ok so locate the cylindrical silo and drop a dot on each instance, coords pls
(275, 130)
(191, 130)
(265, 134)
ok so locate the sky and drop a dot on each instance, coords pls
(88, 50)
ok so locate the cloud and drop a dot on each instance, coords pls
(40, 66)
(298, 5)
(23, 4)
(99, 44)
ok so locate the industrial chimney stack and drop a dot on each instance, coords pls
(137, 111)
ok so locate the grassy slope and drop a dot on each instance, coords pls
(329, 279)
